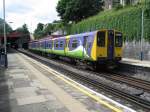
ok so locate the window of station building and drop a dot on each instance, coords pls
(74, 43)
(101, 38)
(118, 40)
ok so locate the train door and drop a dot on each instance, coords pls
(66, 48)
(110, 50)
(85, 50)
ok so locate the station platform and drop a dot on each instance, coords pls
(134, 62)
(30, 86)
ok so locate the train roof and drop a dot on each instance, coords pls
(84, 34)
(48, 38)
(53, 37)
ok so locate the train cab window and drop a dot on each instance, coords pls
(101, 38)
(118, 40)
(74, 44)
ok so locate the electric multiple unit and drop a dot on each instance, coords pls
(97, 47)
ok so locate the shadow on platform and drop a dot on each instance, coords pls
(4, 92)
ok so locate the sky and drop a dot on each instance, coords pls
(30, 12)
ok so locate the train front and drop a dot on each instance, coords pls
(109, 47)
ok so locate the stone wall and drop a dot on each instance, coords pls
(133, 49)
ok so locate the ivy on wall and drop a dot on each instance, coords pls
(126, 20)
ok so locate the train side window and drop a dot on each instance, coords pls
(118, 40)
(56, 44)
(74, 44)
(89, 45)
(101, 38)
(50, 45)
(46, 44)
(41, 44)
(61, 43)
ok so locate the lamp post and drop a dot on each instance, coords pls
(5, 39)
(142, 29)
(142, 34)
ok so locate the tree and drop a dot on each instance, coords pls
(38, 33)
(76, 10)
(8, 28)
(23, 29)
(61, 8)
(148, 9)
(49, 29)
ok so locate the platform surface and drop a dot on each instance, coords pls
(136, 62)
(25, 87)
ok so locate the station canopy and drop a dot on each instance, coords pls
(12, 36)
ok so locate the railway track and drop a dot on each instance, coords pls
(131, 81)
(96, 84)
(138, 83)
(117, 77)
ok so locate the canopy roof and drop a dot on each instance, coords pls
(12, 35)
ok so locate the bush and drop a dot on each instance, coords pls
(119, 6)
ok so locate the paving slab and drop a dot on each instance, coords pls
(21, 91)
(31, 100)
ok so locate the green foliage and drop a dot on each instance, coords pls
(127, 20)
(76, 10)
(8, 28)
(148, 9)
(38, 33)
(118, 7)
(47, 29)
(62, 7)
(24, 29)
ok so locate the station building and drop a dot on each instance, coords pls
(16, 39)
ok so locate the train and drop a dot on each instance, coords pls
(95, 48)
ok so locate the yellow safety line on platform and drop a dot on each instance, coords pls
(115, 109)
(90, 95)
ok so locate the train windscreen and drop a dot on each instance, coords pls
(118, 39)
(101, 38)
